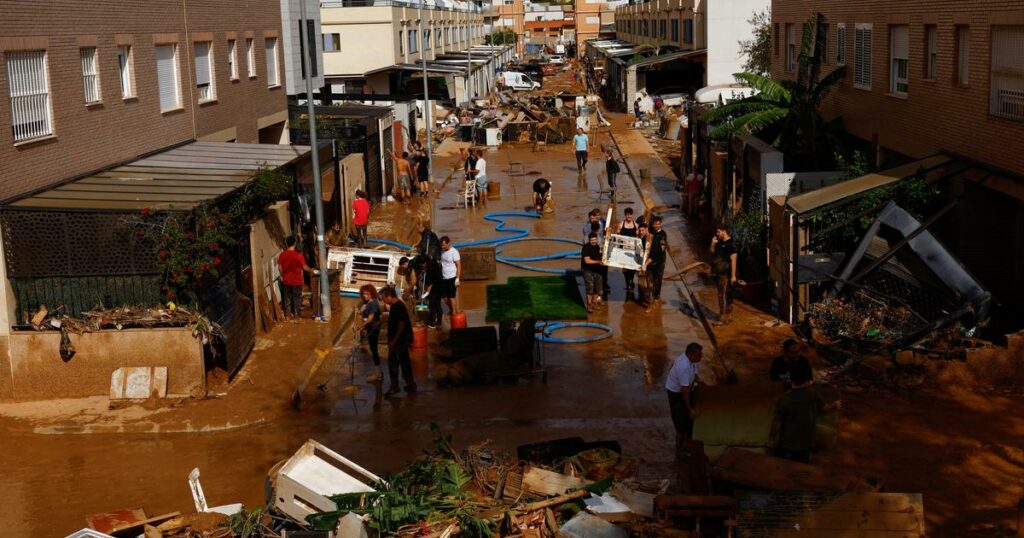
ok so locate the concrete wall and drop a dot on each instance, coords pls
(38, 372)
(728, 25)
(267, 239)
(87, 138)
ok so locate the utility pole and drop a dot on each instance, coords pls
(426, 120)
(318, 205)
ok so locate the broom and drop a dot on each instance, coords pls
(730, 374)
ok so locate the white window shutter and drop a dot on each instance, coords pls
(30, 94)
(202, 63)
(270, 44)
(167, 77)
(1007, 83)
(90, 75)
(901, 42)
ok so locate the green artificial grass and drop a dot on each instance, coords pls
(542, 297)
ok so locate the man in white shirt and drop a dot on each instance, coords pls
(451, 270)
(680, 384)
(480, 172)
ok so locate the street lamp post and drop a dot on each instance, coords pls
(318, 204)
(426, 120)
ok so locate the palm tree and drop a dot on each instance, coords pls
(785, 113)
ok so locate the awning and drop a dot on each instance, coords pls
(176, 179)
(827, 195)
(662, 58)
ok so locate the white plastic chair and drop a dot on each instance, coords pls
(200, 498)
(469, 193)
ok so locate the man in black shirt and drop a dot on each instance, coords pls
(591, 262)
(429, 244)
(399, 341)
(541, 193)
(423, 171)
(723, 268)
(611, 166)
(784, 366)
(656, 260)
(796, 419)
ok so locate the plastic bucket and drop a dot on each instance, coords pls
(458, 320)
(419, 337)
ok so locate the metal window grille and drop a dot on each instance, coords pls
(250, 57)
(1007, 81)
(167, 77)
(233, 59)
(900, 54)
(30, 94)
(204, 72)
(124, 66)
(271, 48)
(90, 75)
(862, 56)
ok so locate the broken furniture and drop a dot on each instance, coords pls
(200, 498)
(360, 266)
(697, 507)
(467, 196)
(823, 515)
(125, 523)
(303, 483)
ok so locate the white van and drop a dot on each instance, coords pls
(518, 81)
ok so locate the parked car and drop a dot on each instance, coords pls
(556, 59)
(518, 81)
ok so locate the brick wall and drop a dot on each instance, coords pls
(935, 114)
(117, 130)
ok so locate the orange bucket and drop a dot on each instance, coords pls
(458, 320)
(419, 337)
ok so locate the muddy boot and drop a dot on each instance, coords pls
(375, 376)
(590, 304)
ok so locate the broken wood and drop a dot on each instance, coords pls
(554, 501)
(543, 482)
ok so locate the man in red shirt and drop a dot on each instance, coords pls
(360, 216)
(292, 263)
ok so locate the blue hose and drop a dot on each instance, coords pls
(501, 227)
(548, 328)
(388, 242)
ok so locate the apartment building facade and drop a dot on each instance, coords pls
(594, 17)
(935, 77)
(364, 39)
(83, 90)
(509, 14)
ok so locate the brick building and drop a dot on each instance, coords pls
(928, 78)
(84, 90)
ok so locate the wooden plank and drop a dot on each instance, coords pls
(543, 482)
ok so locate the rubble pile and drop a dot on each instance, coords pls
(123, 317)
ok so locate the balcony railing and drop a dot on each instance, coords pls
(438, 5)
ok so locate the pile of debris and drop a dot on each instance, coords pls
(122, 317)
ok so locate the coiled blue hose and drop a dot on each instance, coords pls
(519, 234)
(548, 328)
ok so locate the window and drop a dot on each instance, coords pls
(899, 53)
(437, 38)
(401, 42)
(775, 39)
(233, 59)
(250, 57)
(674, 30)
(124, 67)
(826, 55)
(790, 47)
(332, 42)
(688, 31)
(413, 36)
(664, 34)
(841, 44)
(426, 39)
(30, 94)
(931, 51)
(167, 77)
(270, 45)
(310, 45)
(862, 56)
(1008, 72)
(90, 75)
(204, 72)
(963, 53)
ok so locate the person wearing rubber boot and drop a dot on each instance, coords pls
(541, 195)
(643, 283)
(656, 260)
(628, 228)
(370, 315)
(723, 268)
(399, 342)
(593, 275)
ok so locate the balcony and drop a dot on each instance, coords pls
(438, 5)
